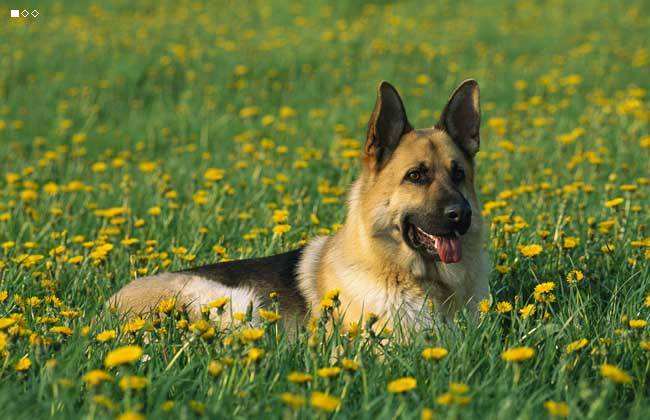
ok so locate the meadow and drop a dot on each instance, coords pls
(137, 137)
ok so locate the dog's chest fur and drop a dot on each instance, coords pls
(410, 297)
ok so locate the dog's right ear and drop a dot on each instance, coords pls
(387, 125)
(461, 118)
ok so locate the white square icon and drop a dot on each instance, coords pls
(15, 13)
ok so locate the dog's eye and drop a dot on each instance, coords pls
(457, 174)
(414, 176)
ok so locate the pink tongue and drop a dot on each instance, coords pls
(448, 249)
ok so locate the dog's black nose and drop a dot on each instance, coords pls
(460, 215)
(453, 213)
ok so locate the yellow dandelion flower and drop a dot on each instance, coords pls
(240, 70)
(23, 364)
(104, 401)
(133, 382)
(402, 385)
(249, 111)
(333, 294)
(576, 345)
(220, 250)
(255, 354)
(123, 355)
(98, 167)
(251, 334)
(614, 202)
(134, 325)
(76, 259)
(218, 303)
(200, 326)
(215, 368)
(570, 242)
(106, 335)
(154, 211)
(239, 316)
(427, 414)
(638, 323)
(557, 409)
(96, 377)
(179, 250)
(324, 401)
(287, 112)
(281, 229)
(462, 399)
(129, 241)
(530, 250)
(213, 174)
(147, 166)
(6, 323)
(28, 195)
(60, 329)
(545, 287)
(326, 303)
(350, 365)
(503, 269)
(518, 354)
(130, 415)
(455, 396)
(574, 276)
(299, 377)
(268, 120)
(615, 374)
(328, 372)
(166, 305)
(168, 405)
(504, 307)
(527, 311)
(484, 306)
(434, 353)
(79, 138)
(422, 79)
(280, 216)
(292, 400)
(458, 388)
(543, 293)
(269, 316)
(446, 398)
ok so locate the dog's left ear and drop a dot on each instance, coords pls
(387, 125)
(461, 118)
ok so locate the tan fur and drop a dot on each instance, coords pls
(391, 279)
(190, 292)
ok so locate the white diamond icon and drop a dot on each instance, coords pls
(34, 13)
(25, 13)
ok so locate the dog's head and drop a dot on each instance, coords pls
(417, 185)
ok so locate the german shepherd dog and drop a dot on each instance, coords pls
(413, 236)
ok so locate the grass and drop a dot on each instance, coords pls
(126, 106)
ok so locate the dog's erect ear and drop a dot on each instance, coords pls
(387, 125)
(461, 117)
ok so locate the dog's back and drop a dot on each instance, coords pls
(244, 282)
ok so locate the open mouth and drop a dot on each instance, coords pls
(443, 247)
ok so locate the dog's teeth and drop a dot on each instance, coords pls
(457, 234)
(424, 233)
